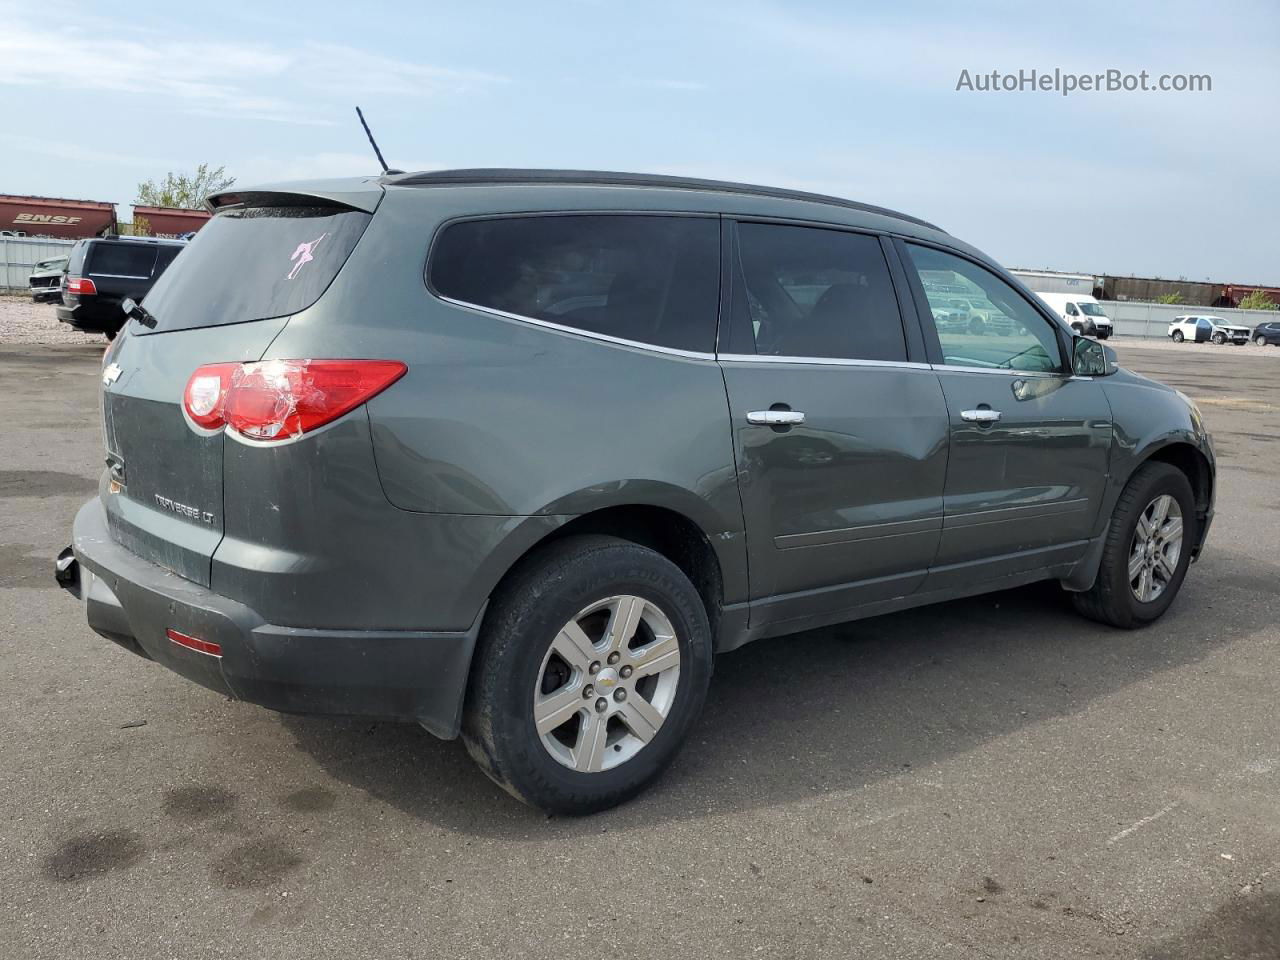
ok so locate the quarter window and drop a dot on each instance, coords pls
(652, 279)
(999, 329)
(809, 292)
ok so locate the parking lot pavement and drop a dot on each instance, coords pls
(993, 777)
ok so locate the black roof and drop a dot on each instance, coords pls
(505, 175)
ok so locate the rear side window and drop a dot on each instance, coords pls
(254, 263)
(808, 292)
(651, 279)
(132, 260)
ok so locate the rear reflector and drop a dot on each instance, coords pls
(194, 643)
(81, 286)
(278, 399)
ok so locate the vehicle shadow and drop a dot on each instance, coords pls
(834, 709)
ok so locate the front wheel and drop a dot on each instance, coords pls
(977, 326)
(593, 664)
(1219, 338)
(1147, 552)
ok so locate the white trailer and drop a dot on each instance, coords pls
(1051, 281)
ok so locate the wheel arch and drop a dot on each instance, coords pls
(679, 525)
(1178, 451)
(1191, 460)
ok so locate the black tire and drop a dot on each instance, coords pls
(977, 327)
(1110, 600)
(1260, 341)
(1178, 336)
(1218, 339)
(543, 594)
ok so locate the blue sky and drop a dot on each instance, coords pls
(842, 98)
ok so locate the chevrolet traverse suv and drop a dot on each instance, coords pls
(513, 454)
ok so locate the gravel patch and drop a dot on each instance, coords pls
(22, 321)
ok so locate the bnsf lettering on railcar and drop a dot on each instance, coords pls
(43, 218)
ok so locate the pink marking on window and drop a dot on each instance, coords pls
(304, 255)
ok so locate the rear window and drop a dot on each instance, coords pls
(132, 260)
(254, 263)
(651, 279)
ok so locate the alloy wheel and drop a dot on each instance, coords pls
(1156, 547)
(607, 684)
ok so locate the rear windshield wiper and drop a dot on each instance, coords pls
(136, 311)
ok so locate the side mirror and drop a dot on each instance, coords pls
(1089, 358)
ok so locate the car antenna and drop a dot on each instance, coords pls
(374, 143)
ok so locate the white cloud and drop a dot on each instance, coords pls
(247, 80)
(71, 151)
(685, 85)
(320, 166)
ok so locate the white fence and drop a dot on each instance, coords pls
(1153, 319)
(18, 255)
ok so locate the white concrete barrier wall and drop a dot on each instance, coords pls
(1153, 319)
(18, 255)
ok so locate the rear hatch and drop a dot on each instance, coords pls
(250, 268)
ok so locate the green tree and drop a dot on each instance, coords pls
(183, 190)
(1175, 297)
(1257, 300)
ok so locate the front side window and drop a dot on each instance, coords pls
(1071, 310)
(809, 292)
(1003, 331)
(650, 279)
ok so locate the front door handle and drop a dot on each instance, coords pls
(775, 418)
(980, 416)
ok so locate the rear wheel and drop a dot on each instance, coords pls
(1147, 552)
(592, 666)
(1178, 336)
(1260, 341)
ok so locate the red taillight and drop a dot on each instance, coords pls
(194, 643)
(81, 286)
(277, 399)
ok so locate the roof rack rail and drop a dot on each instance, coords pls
(504, 175)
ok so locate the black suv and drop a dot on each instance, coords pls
(513, 454)
(1267, 333)
(104, 272)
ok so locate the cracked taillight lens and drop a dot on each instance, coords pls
(278, 399)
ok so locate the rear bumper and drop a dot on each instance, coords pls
(101, 316)
(398, 674)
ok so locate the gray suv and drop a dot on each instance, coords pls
(513, 454)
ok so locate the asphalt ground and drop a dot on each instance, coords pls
(993, 777)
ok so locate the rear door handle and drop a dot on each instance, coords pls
(980, 416)
(775, 418)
